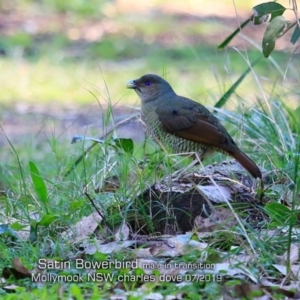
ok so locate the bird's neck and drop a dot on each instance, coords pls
(158, 97)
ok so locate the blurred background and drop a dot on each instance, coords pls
(63, 62)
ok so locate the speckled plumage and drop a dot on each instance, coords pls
(154, 129)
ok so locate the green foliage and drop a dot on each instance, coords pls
(274, 30)
(277, 27)
(232, 35)
(280, 214)
(261, 10)
(125, 144)
(296, 34)
(38, 182)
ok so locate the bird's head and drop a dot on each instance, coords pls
(149, 87)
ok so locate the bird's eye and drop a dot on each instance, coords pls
(147, 83)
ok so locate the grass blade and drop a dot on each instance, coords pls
(38, 182)
(229, 38)
(232, 89)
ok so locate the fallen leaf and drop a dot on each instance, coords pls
(18, 270)
(122, 233)
(82, 229)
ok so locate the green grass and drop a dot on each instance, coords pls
(198, 72)
(262, 115)
(65, 204)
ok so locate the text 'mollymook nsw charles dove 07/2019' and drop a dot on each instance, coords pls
(183, 124)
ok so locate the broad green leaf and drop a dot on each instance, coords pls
(233, 282)
(38, 182)
(273, 32)
(47, 220)
(231, 36)
(232, 89)
(125, 144)
(17, 226)
(273, 8)
(295, 35)
(278, 212)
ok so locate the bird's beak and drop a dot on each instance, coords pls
(131, 84)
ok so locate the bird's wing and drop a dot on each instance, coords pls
(189, 123)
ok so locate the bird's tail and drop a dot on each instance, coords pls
(247, 163)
